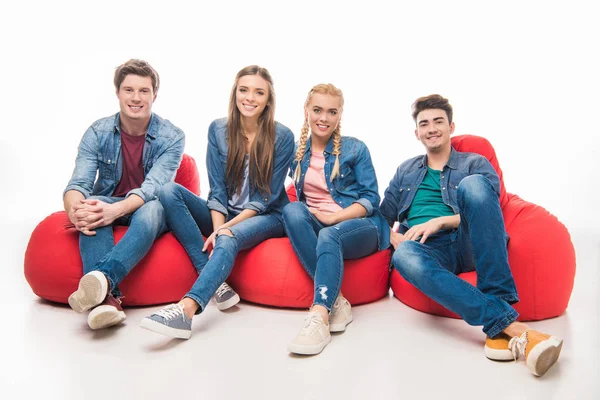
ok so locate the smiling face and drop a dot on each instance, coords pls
(251, 96)
(323, 113)
(135, 98)
(433, 130)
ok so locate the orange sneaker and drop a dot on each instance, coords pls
(540, 350)
(497, 348)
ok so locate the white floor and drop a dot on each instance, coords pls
(389, 351)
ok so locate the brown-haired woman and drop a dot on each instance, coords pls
(247, 161)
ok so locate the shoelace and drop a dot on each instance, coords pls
(170, 312)
(311, 323)
(223, 288)
(517, 345)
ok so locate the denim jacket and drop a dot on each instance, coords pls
(356, 183)
(216, 164)
(100, 151)
(410, 174)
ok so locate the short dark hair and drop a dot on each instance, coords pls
(433, 101)
(136, 67)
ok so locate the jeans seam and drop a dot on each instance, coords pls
(472, 288)
(264, 227)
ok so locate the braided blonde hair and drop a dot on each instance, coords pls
(329, 89)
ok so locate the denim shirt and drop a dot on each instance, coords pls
(356, 182)
(216, 164)
(100, 151)
(410, 174)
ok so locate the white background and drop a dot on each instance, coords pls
(522, 74)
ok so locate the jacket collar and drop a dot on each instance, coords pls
(452, 161)
(152, 131)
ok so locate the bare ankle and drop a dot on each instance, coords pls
(189, 307)
(516, 329)
(322, 311)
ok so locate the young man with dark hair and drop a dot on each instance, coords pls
(447, 204)
(122, 162)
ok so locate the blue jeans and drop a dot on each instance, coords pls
(189, 218)
(478, 244)
(322, 249)
(115, 261)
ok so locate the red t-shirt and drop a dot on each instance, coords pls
(132, 148)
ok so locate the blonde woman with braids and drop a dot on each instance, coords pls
(336, 217)
(247, 161)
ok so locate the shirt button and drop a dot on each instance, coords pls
(444, 188)
(442, 176)
(408, 189)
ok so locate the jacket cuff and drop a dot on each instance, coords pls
(139, 193)
(255, 206)
(367, 205)
(216, 206)
(78, 188)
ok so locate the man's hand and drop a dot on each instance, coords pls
(425, 230)
(92, 214)
(396, 238)
(326, 219)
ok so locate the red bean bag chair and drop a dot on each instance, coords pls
(271, 274)
(53, 265)
(540, 253)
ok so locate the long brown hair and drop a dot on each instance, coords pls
(329, 89)
(260, 163)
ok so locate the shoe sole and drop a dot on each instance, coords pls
(157, 327)
(544, 355)
(309, 350)
(340, 327)
(498, 354)
(104, 316)
(229, 303)
(91, 292)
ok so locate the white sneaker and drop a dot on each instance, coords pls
(313, 337)
(340, 315)
(108, 313)
(92, 290)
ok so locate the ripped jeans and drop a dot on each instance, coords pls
(188, 216)
(322, 249)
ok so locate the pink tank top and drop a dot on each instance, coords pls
(315, 188)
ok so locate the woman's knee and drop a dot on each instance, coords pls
(169, 192)
(295, 212)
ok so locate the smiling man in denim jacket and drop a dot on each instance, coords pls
(122, 162)
(447, 204)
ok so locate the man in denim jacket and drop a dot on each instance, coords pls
(447, 204)
(122, 162)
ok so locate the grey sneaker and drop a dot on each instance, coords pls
(170, 321)
(226, 297)
(313, 336)
(340, 316)
(107, 314)
(92, 290)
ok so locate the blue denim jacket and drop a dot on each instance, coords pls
(410, 174)
(356, 183)
(100, 151)
(216, 164)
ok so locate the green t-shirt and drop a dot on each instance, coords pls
(428, 202)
